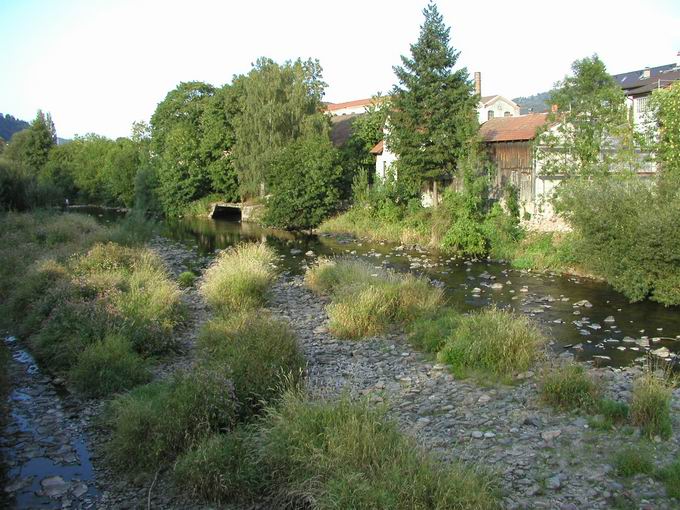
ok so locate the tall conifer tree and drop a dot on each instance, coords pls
(434, 113)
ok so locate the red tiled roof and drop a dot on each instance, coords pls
(348, 104)
(378, 148)
(512, 129)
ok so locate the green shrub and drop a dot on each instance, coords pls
(630, 238)
(650, 406)
(222, 468)
(494, 342)
(671, 478)
(240, 278)
(108, 366)
(366, 301)
(430, 332)
(503, 233)
(569, 387)
(261, 353)
(545, 252)
(304, 184)
(156, 422)
(347, 455)
(633, 460)
(186, 279)
(465, 237)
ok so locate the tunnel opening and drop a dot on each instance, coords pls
(226, 212)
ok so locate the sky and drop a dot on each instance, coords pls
(98, 66)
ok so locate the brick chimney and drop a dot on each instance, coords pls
(647, 73)
(478, 83)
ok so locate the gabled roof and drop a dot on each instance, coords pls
(512, 129)
(661, 80)
(378, 148)
(486, 100)
(348, 104)
(632, 79)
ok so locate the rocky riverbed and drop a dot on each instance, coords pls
(538, 457)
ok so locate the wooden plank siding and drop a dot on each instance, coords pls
(514, 164)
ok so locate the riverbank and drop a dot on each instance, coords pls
(508, 430)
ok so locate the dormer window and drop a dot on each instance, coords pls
(490, 115)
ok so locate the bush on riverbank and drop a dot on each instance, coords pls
(156, 422)
(108, 366)
(630, 238)
(493, 342)
(650, 406)
(239, 278)
(70, 290)
(570, 387)
(634, 460)
(430, 332)
(261, 354)
(366, 301)
(338, 455)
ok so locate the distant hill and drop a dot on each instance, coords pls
(538, 103)
(10, 125)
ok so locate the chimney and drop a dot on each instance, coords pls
(478, 83)
(647, 73)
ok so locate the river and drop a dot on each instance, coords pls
(607, 329)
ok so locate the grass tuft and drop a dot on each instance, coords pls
(650, 407)
(671, 478)
(156, 422)
(429, 333)
(633, 460)
(239, 278)
(367, 301)
(108, 367)
(347, 455)
(261, 352)
(494, 342)
(186, 279)
(569, 387)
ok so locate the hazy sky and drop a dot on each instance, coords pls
(97, 66)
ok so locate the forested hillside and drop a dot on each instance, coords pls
(10, 125)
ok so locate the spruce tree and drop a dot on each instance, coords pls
(434, 114)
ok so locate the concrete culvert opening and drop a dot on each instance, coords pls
(226, 212)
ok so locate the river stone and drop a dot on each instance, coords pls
(610, 318)
(496, 286)
(54, 486)
(553, 482)
(295, 251)
(661, 352)
(583, 303)
(477, 434)
(549, 435)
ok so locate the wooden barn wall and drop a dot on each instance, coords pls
(514, 163)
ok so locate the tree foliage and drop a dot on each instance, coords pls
(665, 108)
(591, 133)
(304, 181)
(279, 105)
(191, 137)
(434, 109)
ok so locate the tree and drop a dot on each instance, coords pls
(590, 133)
(665, 135)
(304, 182)
(191, 139)
(279, 104)
(31, 146)
(434, 109)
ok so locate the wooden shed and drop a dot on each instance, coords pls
(509, 143)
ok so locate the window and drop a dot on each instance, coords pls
(489, 115)
(507, 114)
(642, 104)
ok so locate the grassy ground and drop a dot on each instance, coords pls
(366, 301)
(89, 308)
(331, 455)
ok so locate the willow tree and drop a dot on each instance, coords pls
(434, 107)
(279, 105)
